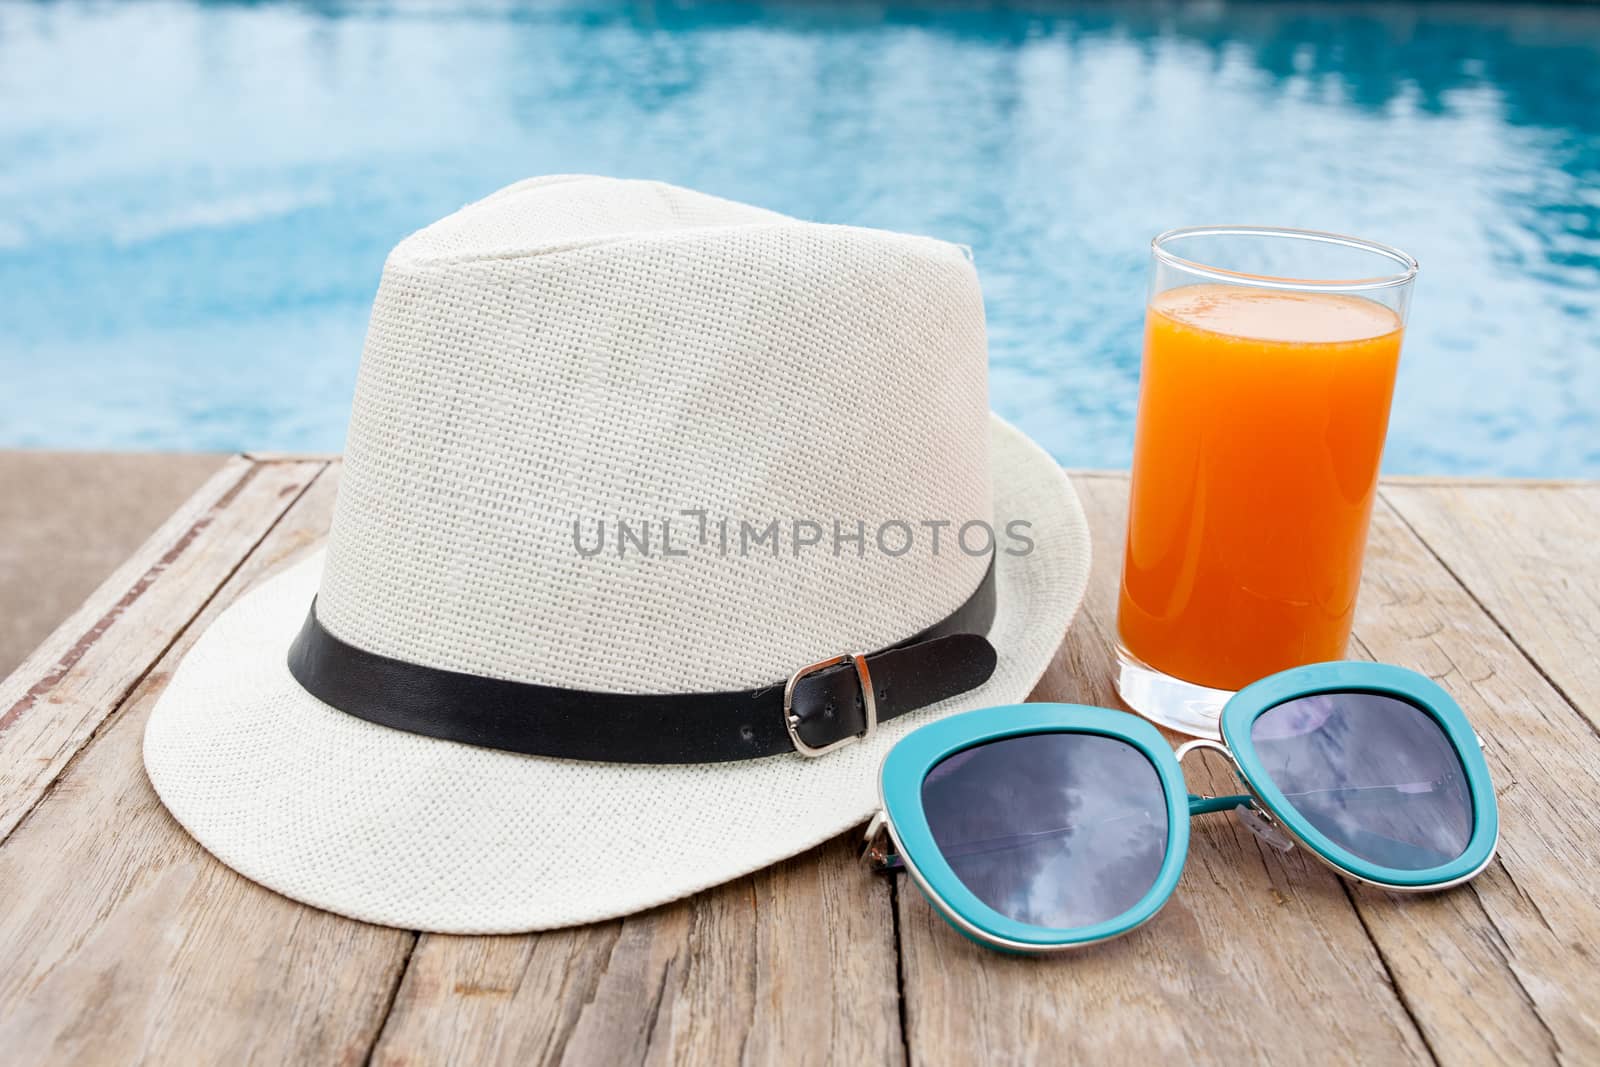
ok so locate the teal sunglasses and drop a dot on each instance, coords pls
(1039, 827)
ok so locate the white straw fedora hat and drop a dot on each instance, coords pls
(627, 466)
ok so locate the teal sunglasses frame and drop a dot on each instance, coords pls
(911, 843)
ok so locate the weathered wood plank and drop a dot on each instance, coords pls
(795, 964)
(125, 942)
(1501, 970)
(56, 700)
(1258, 956)
(293, 457)
(1531, 556)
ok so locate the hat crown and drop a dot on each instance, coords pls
(574, 355)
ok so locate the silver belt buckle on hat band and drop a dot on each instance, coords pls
(792, 722)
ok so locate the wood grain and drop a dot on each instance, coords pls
(1258, 956)
(1501, 970)
(124, 941)
(1527, 554)
(795, 964)
(58, 697)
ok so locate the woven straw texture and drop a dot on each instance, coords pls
(403, 830)
(688, 353)
(589, 350)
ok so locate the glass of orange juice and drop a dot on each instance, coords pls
(1269, 364)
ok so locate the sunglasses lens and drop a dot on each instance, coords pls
(1377, 775)
(1057, 830)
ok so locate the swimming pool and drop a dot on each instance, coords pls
(196, 199)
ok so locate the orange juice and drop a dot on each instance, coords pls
(1262, 415)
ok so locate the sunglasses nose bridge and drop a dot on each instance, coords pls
(1202, 803)
(1246, 808)
(1199, 743)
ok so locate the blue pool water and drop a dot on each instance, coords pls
(196, 199)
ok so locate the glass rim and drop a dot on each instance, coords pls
(1158, 247)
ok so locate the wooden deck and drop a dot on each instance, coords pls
(122, 941)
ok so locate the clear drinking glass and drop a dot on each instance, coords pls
(1269, 365)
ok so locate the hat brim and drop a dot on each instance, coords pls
(409, 831)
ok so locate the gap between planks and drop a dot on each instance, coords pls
(234, 476)
(137, 944)
(402, 970)
(808, 889)
(1534, 660)
(57, 740)
(1515, 699)
(1220, 974)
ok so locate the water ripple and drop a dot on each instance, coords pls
(196, 199)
